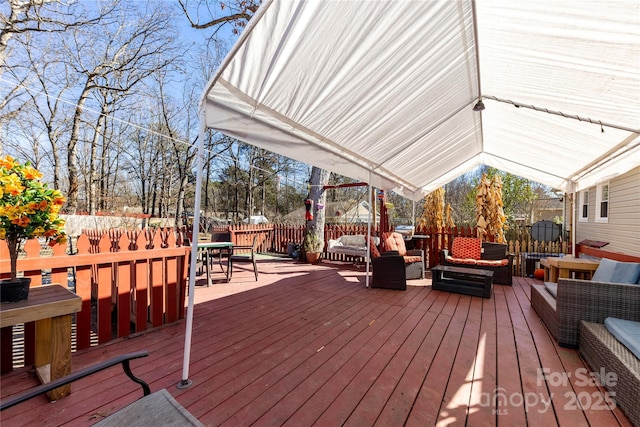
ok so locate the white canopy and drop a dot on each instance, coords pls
(383, 91)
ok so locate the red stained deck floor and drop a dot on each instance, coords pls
(310, 345)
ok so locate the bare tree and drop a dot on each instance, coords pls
(214, 15)
(22, 19)
(123, 57)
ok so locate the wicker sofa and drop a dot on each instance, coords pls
(587, 300)
(603, 352)
(472, 252)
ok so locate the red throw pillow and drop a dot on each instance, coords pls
(375, 253)
(466, 247)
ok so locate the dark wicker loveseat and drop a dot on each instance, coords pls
(604, 353)
(576, 314)
(473, 253)
(588, 300)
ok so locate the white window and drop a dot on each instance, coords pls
(583, 215)
(602, 202)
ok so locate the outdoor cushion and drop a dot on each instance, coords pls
(375, 253)
(625, 331)
(467, 261)
(552, 288)
(392, 241)
(466, 248)
(493, 262)
(617, 272)
(355, 240)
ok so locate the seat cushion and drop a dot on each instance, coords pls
(625, 331)
(617, 272)
(409, 259)
(493, 262)
(552, 288)
(467, 261)
(355, 240)
(466, 248)
(392, 241)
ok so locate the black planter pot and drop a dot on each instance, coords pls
(14, 290)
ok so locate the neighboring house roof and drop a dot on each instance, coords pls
(342, 212)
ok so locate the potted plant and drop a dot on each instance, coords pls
(28, 209)
(312, 245)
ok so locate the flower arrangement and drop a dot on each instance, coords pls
(28, 208)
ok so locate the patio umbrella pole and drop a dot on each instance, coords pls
(186, 382)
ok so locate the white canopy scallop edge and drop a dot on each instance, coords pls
(383, 91)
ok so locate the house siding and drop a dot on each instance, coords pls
(622, 230)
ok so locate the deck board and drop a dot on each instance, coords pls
(310, 345)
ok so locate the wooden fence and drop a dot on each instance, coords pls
(132, 279)
(128, 280)
(277, 238)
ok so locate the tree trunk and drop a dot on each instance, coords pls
(319, 178)
(72, 151)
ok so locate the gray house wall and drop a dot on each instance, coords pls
(622, 230)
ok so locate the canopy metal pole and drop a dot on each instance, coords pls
(368, 256)
(573, 219)
(186, 382)
(413, 213)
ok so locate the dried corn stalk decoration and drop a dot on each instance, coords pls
(433, 210)
(435, 213)
(489, 209)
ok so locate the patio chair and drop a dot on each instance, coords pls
(413, 259)
(217, 236)
(244, 256)
(389, 271)
(158, 408)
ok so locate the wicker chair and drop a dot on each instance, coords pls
(389, 272)
(602, 350)
(413, 259)
(583, 300)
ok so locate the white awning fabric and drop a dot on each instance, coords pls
(383, 91)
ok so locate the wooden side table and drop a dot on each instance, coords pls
(50, 307)
(558, 268)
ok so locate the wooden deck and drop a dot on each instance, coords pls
(310, 345)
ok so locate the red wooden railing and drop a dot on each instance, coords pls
(128, 280)
(601, 253)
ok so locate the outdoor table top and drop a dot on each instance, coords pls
(573, 263)
(214, 245)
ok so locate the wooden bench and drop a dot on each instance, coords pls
(468, 281)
